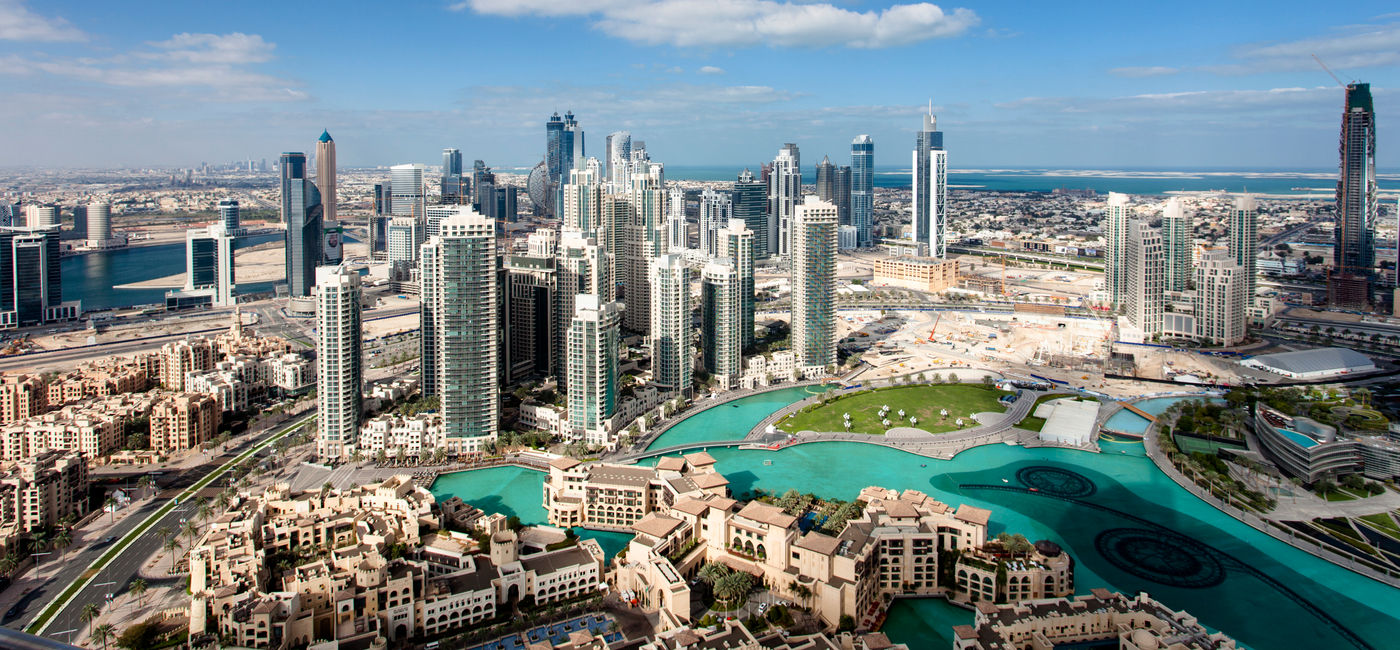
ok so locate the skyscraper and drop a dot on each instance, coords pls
(716, 209)
(563, 146)
(592, 346)
(209, 263)
(1177, 236)
(1115, 231)
(736, 246)
(31, 281)
(813, 283)
(406, 183)
(1143, 272)
(80, 222)
(41, 216)
(582, 268)
(228, 215)
(460, 295)
(583, 197)
(721, 346)
(401, 239)
(784, 193)
(930, 192)
(454, 188)
(619, 158)
(671, 355)
(1353, 254)
(1244, 241)
(301, 211)
(1221, 299)
(644, 242)
(339, 359)
(99, 224)
(750, 204)
(677, 230)
(325, 175)
(530, 334)
(834, 187)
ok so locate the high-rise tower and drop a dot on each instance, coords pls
(229, 216)
(716, 209)
(813, 283)
(1177, 235)
(720, 339)
(100, 223)
(643, 243)
(1143, 276)
(339, 362)
(209, 262)
(736, 246)
(671, 356)
(454, 185)
(750, 204)
(1354, 252)
(784, 193)
(325, 175)
(930, 188)
(862, 188)
(1244, 241)
(592, 347)
(582, 268)
(301, 211)
(461, 314)
(1115, 231)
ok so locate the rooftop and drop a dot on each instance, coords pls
(1335, 360)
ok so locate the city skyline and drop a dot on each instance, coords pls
(1126, 89)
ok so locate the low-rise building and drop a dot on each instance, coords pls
(95, 427)
(383, 568)
(22, 396)
(1095, 620)
(39, 492)
(407, 435)
(926, 274)
(181, 422)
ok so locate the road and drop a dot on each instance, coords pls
(72, 356)
(114, 578)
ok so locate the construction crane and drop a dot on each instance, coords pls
(1329, 71)
(933, 331)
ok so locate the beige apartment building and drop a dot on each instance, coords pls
(22, 396)
(1100, 619)
(917, 273)
(37, 493)
(181, 422)
(682, 517)
(353, 590)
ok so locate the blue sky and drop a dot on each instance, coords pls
(1034, 84)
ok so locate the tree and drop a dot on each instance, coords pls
(63, 539)
(138, 637)
(381, 457)
(103, 633)
(90, 612)
(138, 589)
(711, 572)
(734, 586)
(847, 624)
(111, 505)
(191, 532)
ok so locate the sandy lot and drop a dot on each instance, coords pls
(262, 263)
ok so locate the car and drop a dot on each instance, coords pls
(762, 607)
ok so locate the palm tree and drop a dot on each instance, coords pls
(38, 538)
(103, 633)
(712, 572)
(191, 531)
(90, 612)
(7, 563)
(63, 539)
(111, 505)
(734, 586)
(205, 512)
(138, 589)
(170, 544)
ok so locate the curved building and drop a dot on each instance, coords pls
(99, 224)
(1302, 447)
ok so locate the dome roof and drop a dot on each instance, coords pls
(1145, 639)
(325, 136)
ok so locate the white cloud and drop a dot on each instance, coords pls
(1348, 48)
(17, 23)
(199, 66)
(235, 48)
(709, 69)
(1194, 103)
(740, 23)
(1142, 71)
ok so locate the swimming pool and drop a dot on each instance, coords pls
(1302, 440)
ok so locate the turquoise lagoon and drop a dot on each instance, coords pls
(733, 420)
(1128, 526)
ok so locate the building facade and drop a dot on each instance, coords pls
(339, 362)
(813, 282)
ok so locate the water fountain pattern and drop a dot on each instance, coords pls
(1151, 551)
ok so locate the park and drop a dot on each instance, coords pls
(936, 408)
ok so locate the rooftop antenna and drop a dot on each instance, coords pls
(1329, 71)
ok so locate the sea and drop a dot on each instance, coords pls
(1280, 182)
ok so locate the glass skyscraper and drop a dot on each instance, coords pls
(862, 188)
(301, 211)
(750, 205)
(930, 191)
(1354, 251)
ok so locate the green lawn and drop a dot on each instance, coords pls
(1033, 423)
(923, 402)
(1337, 495)
(1382, 522)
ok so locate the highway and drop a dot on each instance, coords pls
(124, 567)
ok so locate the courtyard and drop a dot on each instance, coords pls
(935, 408)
